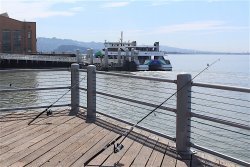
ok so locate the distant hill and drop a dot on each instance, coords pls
(70, 46)
(169, 49)
(70, 49)
(65, 45)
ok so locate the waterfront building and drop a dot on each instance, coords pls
(17, 36)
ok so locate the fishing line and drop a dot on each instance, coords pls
(49, 112)
(119, 146)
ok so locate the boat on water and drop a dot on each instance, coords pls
(137, 58)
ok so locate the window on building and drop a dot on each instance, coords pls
(29, 41)
(6, 41)
(17, 41)
(29, 35)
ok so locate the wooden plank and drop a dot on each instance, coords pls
(172, 161)
(135, 148)
(45, 148)
(63, 128)
(71, 148)
(16, 123)
(98, 146)
(144, 154)
(60, 147)
(104, 155)
(115, 157)
(83, 149)
(15, 126)
(32, 138)
(23, 129)
(26, 130)
(156, 158)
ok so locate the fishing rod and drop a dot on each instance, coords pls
(49, 112)
(119, 146)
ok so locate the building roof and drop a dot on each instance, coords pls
(4, 14)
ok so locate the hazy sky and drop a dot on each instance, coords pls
(209, 25)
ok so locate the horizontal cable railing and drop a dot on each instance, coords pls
(33, 89)
(219, 114)
(128, 98)
(220, 120)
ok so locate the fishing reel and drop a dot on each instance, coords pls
(49, 112)
(118, 147)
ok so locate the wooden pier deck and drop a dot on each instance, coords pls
(62, 140)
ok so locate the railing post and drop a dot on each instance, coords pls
(182, 116)
(74, 89)
(91, 94)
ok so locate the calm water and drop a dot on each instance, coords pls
(230, 70)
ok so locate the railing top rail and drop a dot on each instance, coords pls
(137, 77)
(33, 70)
(222, 87)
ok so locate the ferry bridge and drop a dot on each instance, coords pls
(203, 125)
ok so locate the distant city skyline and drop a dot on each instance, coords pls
(206, 25)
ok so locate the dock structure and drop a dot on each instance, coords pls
(58, 60)
(94, 113)
(62, 140)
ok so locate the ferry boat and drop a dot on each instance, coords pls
(137, 58)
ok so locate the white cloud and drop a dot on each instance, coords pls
(30, 10)
(197, 26)
(115, 4)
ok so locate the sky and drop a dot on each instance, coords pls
(206, 25)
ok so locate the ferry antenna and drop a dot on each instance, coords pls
(119, 146)
(121, 36)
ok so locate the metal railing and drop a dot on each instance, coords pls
(216, 117)
(206, 117)
(33, 89)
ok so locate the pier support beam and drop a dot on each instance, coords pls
(74, 89)
(91, 94)
(183, 120)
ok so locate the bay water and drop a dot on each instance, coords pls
(230, 69)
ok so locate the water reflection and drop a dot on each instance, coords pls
(15, 81)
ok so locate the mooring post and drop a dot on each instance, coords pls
(132, 54)
(183, 121)
(119, 58)
(78, 56)
(106, 63)
(74, 89)
(91, 94)
(127, 55)
(90, 54)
